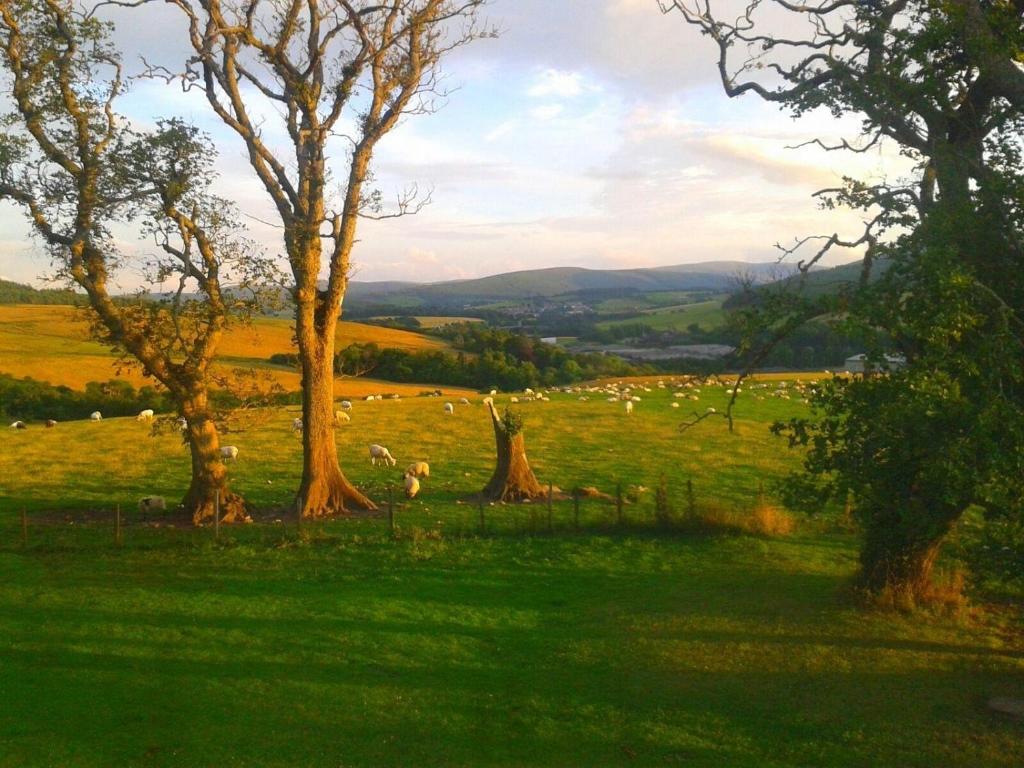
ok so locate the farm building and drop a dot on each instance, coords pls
(859, 364)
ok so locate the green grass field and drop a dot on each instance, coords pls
(338, 645)
(707, 314)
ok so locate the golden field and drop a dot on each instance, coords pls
(52, 343)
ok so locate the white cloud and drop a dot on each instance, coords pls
(547, 111)
(554, 82)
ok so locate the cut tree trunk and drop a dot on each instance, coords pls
(324, 490)
(209, 475)
(513, 480)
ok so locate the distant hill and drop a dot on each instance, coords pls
(819, 282)
(564, 282)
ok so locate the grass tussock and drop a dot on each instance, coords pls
(944, 594)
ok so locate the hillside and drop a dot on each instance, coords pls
(718, 276)
(51, 343)
(20, 293)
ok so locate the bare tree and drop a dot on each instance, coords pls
(341, 71)
(71, 163)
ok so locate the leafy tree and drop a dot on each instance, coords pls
(942, 84)
(73, 166)
(322, 63)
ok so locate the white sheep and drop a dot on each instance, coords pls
(182, 423)
(229, 452)
(380, 453)
(418, 469)
(340, 417)
(346, 405)
(297, 425)
(19, 425)
(463, 401)
(50, 423)
(152, 504)
(629, 407)
(449, 409)
(95, 416)
(513, 399)
(145, 415)
(412, 486)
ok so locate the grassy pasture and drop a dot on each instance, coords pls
(51, 343)
(706, 314)
(337, 645)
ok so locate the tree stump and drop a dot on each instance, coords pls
(513, 480)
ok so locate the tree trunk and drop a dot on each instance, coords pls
(209, 475)
(324, 490)
(901, 547)
(513, 480)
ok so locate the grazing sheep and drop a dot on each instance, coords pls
(463, 401)
(182, 423)
(152, 504)
(629, 407)
(675, 405)
(95, 416)
(380, 453)
(340, 417)
(19, 425)
(346, 405)
(418, 469)
(412, 486)
(146, 415)
(494, 392)
(50, 423)
(369, 398)
(513, 399)
(449, 409)
(297, 425)
(229, 452)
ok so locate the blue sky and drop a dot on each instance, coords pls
(591, 133)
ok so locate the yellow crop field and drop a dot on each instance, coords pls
(51, 343)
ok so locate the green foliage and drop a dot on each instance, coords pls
(17, 293)
(28, 400)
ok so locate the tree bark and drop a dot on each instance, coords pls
(324, 490)
(901, 545)
(209, 475)
(513, 480)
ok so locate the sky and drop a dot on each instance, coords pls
(590, 133)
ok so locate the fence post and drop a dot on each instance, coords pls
(216, 516)
(551, 514)
(24, 527)
(391, 508)
(618, 504)
(576, 508)
(117, 525)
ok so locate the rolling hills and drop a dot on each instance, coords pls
(51, 343)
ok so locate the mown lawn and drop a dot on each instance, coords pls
(337, 645)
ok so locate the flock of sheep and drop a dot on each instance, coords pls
(626, 393)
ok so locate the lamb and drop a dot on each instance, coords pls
(449, 409)
(229, 452)
(19, 425)
(152, 504)
(340, 417)
(412, 486)
(95, 416)
(418, 469)
(297, 425)
(145, 415)
(629, 407)
(380, 453)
